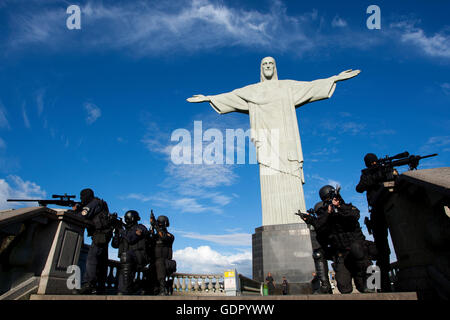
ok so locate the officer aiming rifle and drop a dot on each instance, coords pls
(373, 177)
(64, 200)
(319, 244)
(383, 169)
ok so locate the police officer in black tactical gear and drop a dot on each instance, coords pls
(162, 248)
(372, 183)
(319, 242)
(96, 210)
(350, 252)
(130, 239)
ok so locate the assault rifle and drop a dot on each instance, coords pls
(308, 216)
(153, 224)
(62, 200)
(116, 222)
(384, 167)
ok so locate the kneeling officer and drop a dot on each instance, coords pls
(130, 239)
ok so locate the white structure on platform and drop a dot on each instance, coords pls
(271, 106)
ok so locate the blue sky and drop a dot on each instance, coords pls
(96, 107)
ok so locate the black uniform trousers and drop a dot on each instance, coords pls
(96, 266)
(380, 236)
(351, 264)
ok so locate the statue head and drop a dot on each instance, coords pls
(268, 69)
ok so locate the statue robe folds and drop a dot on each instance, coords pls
(274, 131)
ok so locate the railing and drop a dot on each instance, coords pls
(183, 283)
(249, 286)
(197, 284)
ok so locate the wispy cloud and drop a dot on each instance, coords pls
(230, 239)
(436, 45)
(26, 121)
(350, 127)
(15, 187)
(40, 101)
(3, 120)
(93, 112)
(446, 88)
(338, 22)
(324, 181)
(2, 144)
(190, 188)
(150, 28)
(436, 143)
(206, 260)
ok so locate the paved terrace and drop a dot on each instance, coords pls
(353, 296)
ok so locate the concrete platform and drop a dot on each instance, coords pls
(353, 296)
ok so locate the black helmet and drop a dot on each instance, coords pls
(131, 217)
(86, 195)
(369, 159)
(318, 205)
(163, 221)
(327, 193)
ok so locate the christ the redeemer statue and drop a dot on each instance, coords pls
(271, 105)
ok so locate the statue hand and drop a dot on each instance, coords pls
(347, 74)
(198, 98)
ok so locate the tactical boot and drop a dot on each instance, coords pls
(125, 279)
(162, 288)
(87, 288)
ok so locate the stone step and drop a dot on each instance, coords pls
(353, 296)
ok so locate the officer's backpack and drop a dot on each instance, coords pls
(171, 266)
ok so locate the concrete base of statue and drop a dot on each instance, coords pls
(284, 250)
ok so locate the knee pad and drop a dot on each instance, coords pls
(358, 250)
(124, 258)
(317, 255)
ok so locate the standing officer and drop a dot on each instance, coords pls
(131, 242)
(371, 182)
(96, 210)
(162, 242)
(346, 239)
(319, 242)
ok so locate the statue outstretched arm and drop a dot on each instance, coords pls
(345, 75)
(223, 103)
(196, 98)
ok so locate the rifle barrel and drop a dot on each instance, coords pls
(429, 156)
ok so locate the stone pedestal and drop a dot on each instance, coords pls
(38, 244)
(416, 213)
(284, 250)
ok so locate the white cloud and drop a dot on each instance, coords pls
(148, 28)
(176, 202)
(436, 143)
(26, 121)
(325, 181)
(202, 175)
(338, 22)
(93, 112)
(3, 120)
(437, 45)
(446, 88)
(230, 239)
(206, 260)
(40, 100)
(16, 188)
(350, 127)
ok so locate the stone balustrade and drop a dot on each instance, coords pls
(198, 284)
